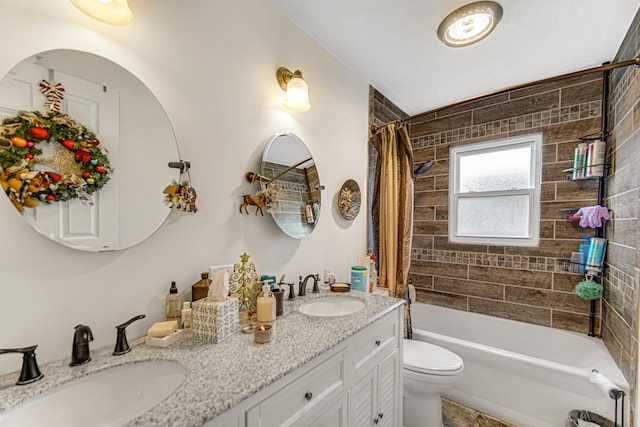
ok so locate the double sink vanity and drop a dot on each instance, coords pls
(333, 361)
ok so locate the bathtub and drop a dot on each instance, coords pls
(529, 375)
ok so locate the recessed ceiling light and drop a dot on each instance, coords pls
(470, 23)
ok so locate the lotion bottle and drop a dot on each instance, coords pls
(266, 305)
(186, 316)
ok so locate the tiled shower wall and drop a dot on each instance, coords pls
(520, 283)
(620, 309)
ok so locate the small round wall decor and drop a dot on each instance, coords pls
(349, 200)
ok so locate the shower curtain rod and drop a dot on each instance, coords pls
(604, 67)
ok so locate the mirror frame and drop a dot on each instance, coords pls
(309, 209)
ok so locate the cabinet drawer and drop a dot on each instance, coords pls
(376, 341)
(321, 384)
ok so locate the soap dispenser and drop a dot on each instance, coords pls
(200, 289)
(173, 304)
(266, 305)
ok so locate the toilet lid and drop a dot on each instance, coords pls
(420, 356)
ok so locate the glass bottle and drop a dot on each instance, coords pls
(200, 289)
(173, 305)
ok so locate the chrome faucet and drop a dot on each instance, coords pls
(302, 290)
(80, 353)
(122, 346)
(30, 371)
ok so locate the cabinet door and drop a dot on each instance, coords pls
(333, 416)
(362, 401)
(388, 392)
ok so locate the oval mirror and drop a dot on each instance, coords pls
(291, 171)
(128, 122)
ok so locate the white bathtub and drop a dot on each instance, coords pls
(529, 375)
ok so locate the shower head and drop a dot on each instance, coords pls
(4, 143)
(423, 168)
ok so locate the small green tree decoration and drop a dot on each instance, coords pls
(245, 283)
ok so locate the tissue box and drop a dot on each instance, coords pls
(215, 321)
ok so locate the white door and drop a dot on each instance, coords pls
(72, 222)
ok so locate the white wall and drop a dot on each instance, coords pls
(212, 65)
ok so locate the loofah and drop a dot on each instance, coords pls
(588, 289)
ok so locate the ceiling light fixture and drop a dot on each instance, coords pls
(470, 23)
(297, 90)
(113, 12)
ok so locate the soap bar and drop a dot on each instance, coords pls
(166, 341)
(162, 329)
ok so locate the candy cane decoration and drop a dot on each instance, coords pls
(54, 94)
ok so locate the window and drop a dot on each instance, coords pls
(494, 195)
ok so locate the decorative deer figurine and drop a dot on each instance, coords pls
(262, 198)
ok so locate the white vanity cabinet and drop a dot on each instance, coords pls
(304, 399)
(375, 399)
(356, 383)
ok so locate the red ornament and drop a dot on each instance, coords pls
(29, 156)
(53, 176)
(50, 197)
(100, 169)
(39, 133)
(86, 175)
(68, 144)
(83, 156)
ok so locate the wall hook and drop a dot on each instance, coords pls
(182, 165)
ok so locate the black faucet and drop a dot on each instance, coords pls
(303, 284)
(122, 346)
(30, 371)
(80, 352)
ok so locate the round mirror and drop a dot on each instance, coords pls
(130, 142)
(292, 174)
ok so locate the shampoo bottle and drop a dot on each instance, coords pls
(584, 250)
(266, 305)
(186, 316)
(172, 305)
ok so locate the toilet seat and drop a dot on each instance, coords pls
(426, 358)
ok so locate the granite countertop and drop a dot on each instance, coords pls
(219, 376)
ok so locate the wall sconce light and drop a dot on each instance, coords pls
(113, 12)
(297, 90)
(470, 23)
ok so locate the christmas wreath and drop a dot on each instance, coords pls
(77, 168)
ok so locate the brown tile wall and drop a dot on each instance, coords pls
(525, 284)
(620, 308)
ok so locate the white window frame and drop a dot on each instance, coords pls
(534, 141)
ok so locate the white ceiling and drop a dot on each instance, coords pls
(392, 44)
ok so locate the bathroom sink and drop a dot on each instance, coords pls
(332, 306)
(107, 398)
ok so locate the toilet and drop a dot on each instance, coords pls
(427, 371)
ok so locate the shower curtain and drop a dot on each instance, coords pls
(393, 209)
